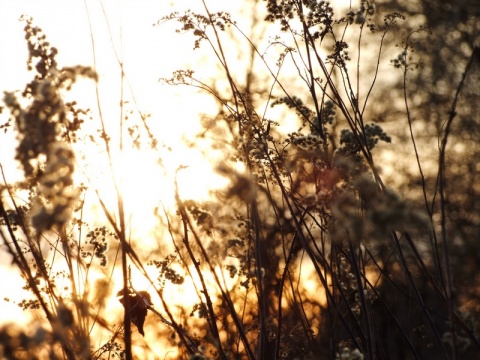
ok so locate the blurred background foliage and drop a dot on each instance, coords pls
(454, 32)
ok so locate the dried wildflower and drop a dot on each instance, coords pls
(359, 18)
(372, 134)
(98, 239)
(203, 217)
(198, 24)
(401, 60)
(308, 142)
(297, 104)
(55, 195)
(40, 136)
(200, 309)
(340, 54)
(166, 272)
(371, 9)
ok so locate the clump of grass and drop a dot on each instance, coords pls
(308, 253)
